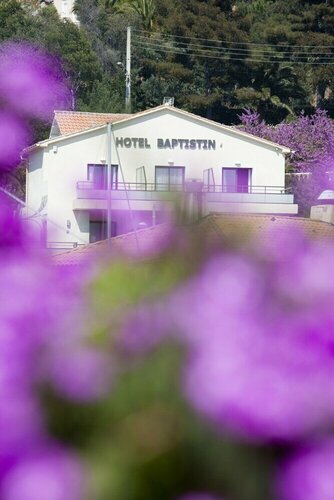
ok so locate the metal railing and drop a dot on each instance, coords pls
(131, 186)
(246, 189)
(167, 187)
(63, 245)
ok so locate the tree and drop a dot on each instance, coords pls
(70, 44)
(144, 8)
(14, 22)
(311, 140)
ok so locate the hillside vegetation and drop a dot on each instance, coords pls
(214, 57)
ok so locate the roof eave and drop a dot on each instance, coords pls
(47, 142)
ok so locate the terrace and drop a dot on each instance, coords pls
(214, 198)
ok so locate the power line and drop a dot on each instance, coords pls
(233, 49)
(232, 56)
(165, 35)
(235, 52)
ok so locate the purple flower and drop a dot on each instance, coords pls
(41, 308)
(21, 422)
(144, 328)
(80, 374)
(14, 137)
(31, 81)
(259, 331)
(50, 474)
(12, 230)
(199, 496)
(308, 474)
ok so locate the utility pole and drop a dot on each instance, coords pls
(128, 71)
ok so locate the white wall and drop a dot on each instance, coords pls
(65, 8)
(268, 164)
(54, 171)
(36, 181)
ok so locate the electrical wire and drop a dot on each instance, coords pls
(232, 57)
(166, 35)
(232, 49)
(227, 50)
(230, 53)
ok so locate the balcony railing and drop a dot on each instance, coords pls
(214, 198)
(167, 187)
(63, 245)
(246, 189)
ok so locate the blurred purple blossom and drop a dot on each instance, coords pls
(42, 308)
(144, 328)
(80, 374)
(31, 81)
(48, 474)
(260, 341)
(32, 85)
(37, 323)
(14, 137)
(308, 474)
(199, 496)
(12, 230)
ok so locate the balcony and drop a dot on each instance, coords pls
(133, 190)
(249, 194)
(253, 199)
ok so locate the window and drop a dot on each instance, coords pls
(98, 230)
(169, 178)
(236, 180)
(97, 175)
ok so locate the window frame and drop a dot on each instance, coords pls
(237, 190)
(114, 181)
(169, 167)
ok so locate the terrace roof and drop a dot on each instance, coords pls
(214, 228)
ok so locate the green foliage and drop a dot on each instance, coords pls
(171, 56)
(146, 432)
(14, 23)
(72, 45)
(63, 39)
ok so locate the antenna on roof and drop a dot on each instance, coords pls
(168, 101)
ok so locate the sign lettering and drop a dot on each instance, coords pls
(142, 143)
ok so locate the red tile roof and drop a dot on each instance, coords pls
(141, 242)
(226, 225)
(70, 122)
(214, 228)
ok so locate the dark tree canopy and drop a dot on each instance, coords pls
(215, 57)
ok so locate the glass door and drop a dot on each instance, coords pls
(98, 176)
(169, 178)
(236, 180)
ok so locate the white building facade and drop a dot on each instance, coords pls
(65, 10)
(153, 157)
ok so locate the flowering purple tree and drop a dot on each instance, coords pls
(311, 139)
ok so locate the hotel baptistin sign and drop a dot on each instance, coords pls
(143, 143)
